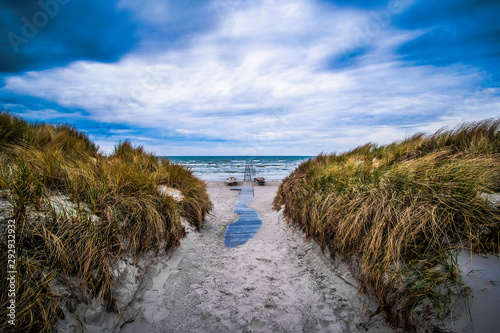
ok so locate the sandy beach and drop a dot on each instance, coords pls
(364, 137)
(276, 282)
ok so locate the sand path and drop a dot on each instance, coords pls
(275, 282)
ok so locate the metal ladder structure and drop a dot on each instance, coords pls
(249, 172)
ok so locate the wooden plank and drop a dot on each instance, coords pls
(248, 223)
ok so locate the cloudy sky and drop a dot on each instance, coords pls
(237, 77)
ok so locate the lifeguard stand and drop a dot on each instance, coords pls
(249, 172)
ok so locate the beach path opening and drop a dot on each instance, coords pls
(248, 223)
(275, 282)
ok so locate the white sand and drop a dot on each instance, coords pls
(481, 311)
(276, 282)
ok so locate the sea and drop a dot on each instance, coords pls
(218, 168)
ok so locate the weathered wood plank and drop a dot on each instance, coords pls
(248, 223)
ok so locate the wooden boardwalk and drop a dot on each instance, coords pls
(248, 223)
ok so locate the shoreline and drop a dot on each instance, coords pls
(221, 183)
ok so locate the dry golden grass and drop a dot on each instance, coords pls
(115, 208)
(403, 210)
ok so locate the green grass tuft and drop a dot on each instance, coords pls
(112, 206)
(403, 209)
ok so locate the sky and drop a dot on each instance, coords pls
(235, 77)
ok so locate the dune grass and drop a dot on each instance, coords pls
(402, 211)
(78, 211)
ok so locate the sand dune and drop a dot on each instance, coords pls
(275, 282)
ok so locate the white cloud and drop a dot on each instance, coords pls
(261, 81)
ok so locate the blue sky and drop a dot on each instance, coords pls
(234, 77)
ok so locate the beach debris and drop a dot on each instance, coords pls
(260, 180)
(232, 181)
